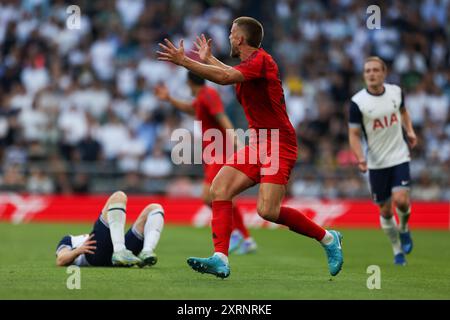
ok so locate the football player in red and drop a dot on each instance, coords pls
(259, 91)
(207, 108)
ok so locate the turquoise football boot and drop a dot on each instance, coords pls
(212, 265)
(334, 253)
(247, 246)
(236, 240)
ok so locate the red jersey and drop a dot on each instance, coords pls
(262, 97)
(207, 105)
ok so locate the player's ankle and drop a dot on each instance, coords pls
(222, 256)
(327, 238)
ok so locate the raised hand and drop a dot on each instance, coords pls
(172, 53)
(203, 47)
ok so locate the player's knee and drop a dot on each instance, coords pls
(402, 201)
(218, 192)
(152, 207)
(385, 210)
(267, 211)
(118, 196)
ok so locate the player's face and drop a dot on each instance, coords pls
(235, 38)
(374, 74)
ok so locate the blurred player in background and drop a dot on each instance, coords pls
(378, 112)
(260, 92)
(208, 108)
(107, 245)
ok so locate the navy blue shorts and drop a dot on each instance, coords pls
(104, 251)
(384, 181)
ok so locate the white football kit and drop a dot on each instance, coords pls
(380, 120)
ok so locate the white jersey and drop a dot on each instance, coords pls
(380, 120)
(73, 242)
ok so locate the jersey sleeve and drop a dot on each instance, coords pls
(355, 115)
(65, 242)
(213, 102)
(252, 68)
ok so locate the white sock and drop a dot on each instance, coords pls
(389, 227)
(403, 217)
(223, 257)
(327, 238)
(152, 229)
(116, 222)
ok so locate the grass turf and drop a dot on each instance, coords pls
(286, 266)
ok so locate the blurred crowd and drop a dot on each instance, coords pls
(78, 113)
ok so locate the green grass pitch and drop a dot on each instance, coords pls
(287, 266)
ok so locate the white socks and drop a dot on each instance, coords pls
(403, 217)
(116, 221)
(222, 257)
(389, 227)
(152, 229)
(327, 238)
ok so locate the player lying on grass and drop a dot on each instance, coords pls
(208, 108)
(107, 245)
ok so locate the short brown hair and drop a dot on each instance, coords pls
(377, 59)
(253, 30)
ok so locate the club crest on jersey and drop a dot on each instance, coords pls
(384, 122)
(395, 104)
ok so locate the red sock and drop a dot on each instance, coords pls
(298, 222)
(238, 222)
(221, 225)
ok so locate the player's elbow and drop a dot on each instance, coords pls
(60, 262)
(225, 78)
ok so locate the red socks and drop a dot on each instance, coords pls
(299, 223)
(221, 225)
(238, 222)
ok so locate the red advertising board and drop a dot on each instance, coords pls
(18, 208)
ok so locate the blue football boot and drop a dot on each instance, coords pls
(406, 241)
(236, 240)
(399, 259)
(212, 265)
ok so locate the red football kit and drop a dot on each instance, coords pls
(261, 95)
(262, 98)
(207, 105)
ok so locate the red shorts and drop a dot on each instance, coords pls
(211, 171)
(274, 171)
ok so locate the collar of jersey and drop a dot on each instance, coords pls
(377, 95)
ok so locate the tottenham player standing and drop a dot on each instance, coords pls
(259, 90)
(380, 114)
(207, 107)
(107, 245)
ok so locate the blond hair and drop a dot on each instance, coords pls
(377, 59)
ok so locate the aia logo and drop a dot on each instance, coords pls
(384, 122)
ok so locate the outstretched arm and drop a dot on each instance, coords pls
(162, 93)
(205, 53)
(210, 72)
